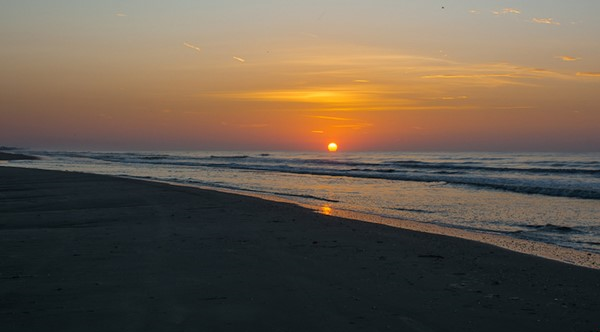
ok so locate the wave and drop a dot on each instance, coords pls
(399, 170)
(550, 167)
(411, 166)
(412, 210)
(552, 228)
(228, 157)
(523, 187)
(467, 166)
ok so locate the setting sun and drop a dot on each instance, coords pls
(332, 147)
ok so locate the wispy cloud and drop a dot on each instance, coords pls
(514, 107)
(473, 11)
(194, 47)
(329, 118)
(355, 126)
(567, 58)
(459, 76)
(505, 11)
(121, 14)
(330, 80)
(589, 74)
(545, 21)
(239, 59)
(455, 98)
(347, 123)
(497, 74)
(245, 125)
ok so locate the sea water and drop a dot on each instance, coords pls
(543, 197)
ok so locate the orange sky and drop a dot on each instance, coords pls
(291, 75)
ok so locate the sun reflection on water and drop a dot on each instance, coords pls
(326, 210)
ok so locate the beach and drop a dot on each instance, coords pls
(300, 166)
(99, 253)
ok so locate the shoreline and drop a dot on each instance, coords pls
(102, 253)
(528, 247)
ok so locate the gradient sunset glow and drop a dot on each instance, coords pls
(293, 75)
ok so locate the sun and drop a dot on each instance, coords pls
(332, 147)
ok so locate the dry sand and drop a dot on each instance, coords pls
(83, 252)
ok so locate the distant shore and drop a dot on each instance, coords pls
(16, 156)
(99, 253)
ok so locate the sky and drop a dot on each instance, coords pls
(377, 75)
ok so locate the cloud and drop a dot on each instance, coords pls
(336, 97)
(329, 79)
(545, 21)
(566, 58)
(513, 107)
(121, 15)
(496, 74)
(454, 76)
(473, 11)
(589, 74)
(329, 118)
(361, 81)
(194, 47)
(455, 97)
(239, 59)
(507, 11)
(355, 126)
(245, 125)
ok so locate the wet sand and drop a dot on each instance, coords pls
(84, 252)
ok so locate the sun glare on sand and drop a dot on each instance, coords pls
(332, 147)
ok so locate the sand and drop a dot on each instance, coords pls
(83, 252)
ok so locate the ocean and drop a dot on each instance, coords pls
(552, 198)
